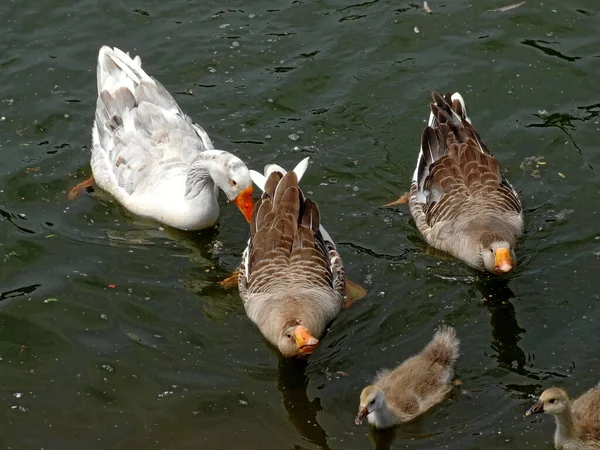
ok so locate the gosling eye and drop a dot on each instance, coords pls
(372, 402)
(552, 400)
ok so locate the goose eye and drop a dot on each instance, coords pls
(491, 250)
(289, 336)
(232, 182)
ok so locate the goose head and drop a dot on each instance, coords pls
(498, 257)
(231, 175)
(296, 340)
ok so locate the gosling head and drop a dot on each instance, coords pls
(371, 399)
(552, 401)
(498, 257)
(296, 340)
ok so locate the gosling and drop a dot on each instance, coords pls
(577, 421)
(415, 386)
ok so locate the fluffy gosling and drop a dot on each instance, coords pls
(415, 386)
(577, 421)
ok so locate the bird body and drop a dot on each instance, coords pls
(151, 157)
(460, 200)
(577, 421)
(291, 279)
(415, 386)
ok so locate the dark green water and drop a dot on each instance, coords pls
(168, 360)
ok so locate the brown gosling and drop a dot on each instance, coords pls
(416, 385)
(577, 421)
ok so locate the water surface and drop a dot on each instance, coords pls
(114, 332)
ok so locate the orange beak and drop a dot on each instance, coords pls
(504, 261)
(244, 202)
(304, 340)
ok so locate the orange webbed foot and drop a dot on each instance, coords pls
(231, 281)
(401, 201)
(353, 292)
(76, 191)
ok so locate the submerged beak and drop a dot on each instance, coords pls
(244, 202)
(504, 261)
(304, 340)
(535, 409)
(362, 413)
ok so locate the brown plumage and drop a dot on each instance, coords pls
(461, 202)
(413, 387)
(577, 421)
(291, 278)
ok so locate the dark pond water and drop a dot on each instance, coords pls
(165, 358)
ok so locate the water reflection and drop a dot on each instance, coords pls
(292, 382)
(382, 439)
(18, 292)
(548, 50)
(565, 121)
(504, 326)
(410, 431)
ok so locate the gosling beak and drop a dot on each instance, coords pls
(362, 413)
(304, 340)
(535, 409)
(244, 202)
(504, 261)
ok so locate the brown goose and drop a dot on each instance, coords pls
(416, 385)
(291, 279)
(577, 422)
(461, 202)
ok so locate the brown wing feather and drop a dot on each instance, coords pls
(464, 174)
(285, 242)
(309, 254)
(271, 184)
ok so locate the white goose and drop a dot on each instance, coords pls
(151, 157)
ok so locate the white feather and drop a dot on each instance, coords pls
(260, 180)
(301, 168)
(270, 168)
(431, 122)
(457, 96)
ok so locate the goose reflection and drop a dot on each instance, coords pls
(382, 439)
(506, 332)
(417, 429)
(292, 382)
